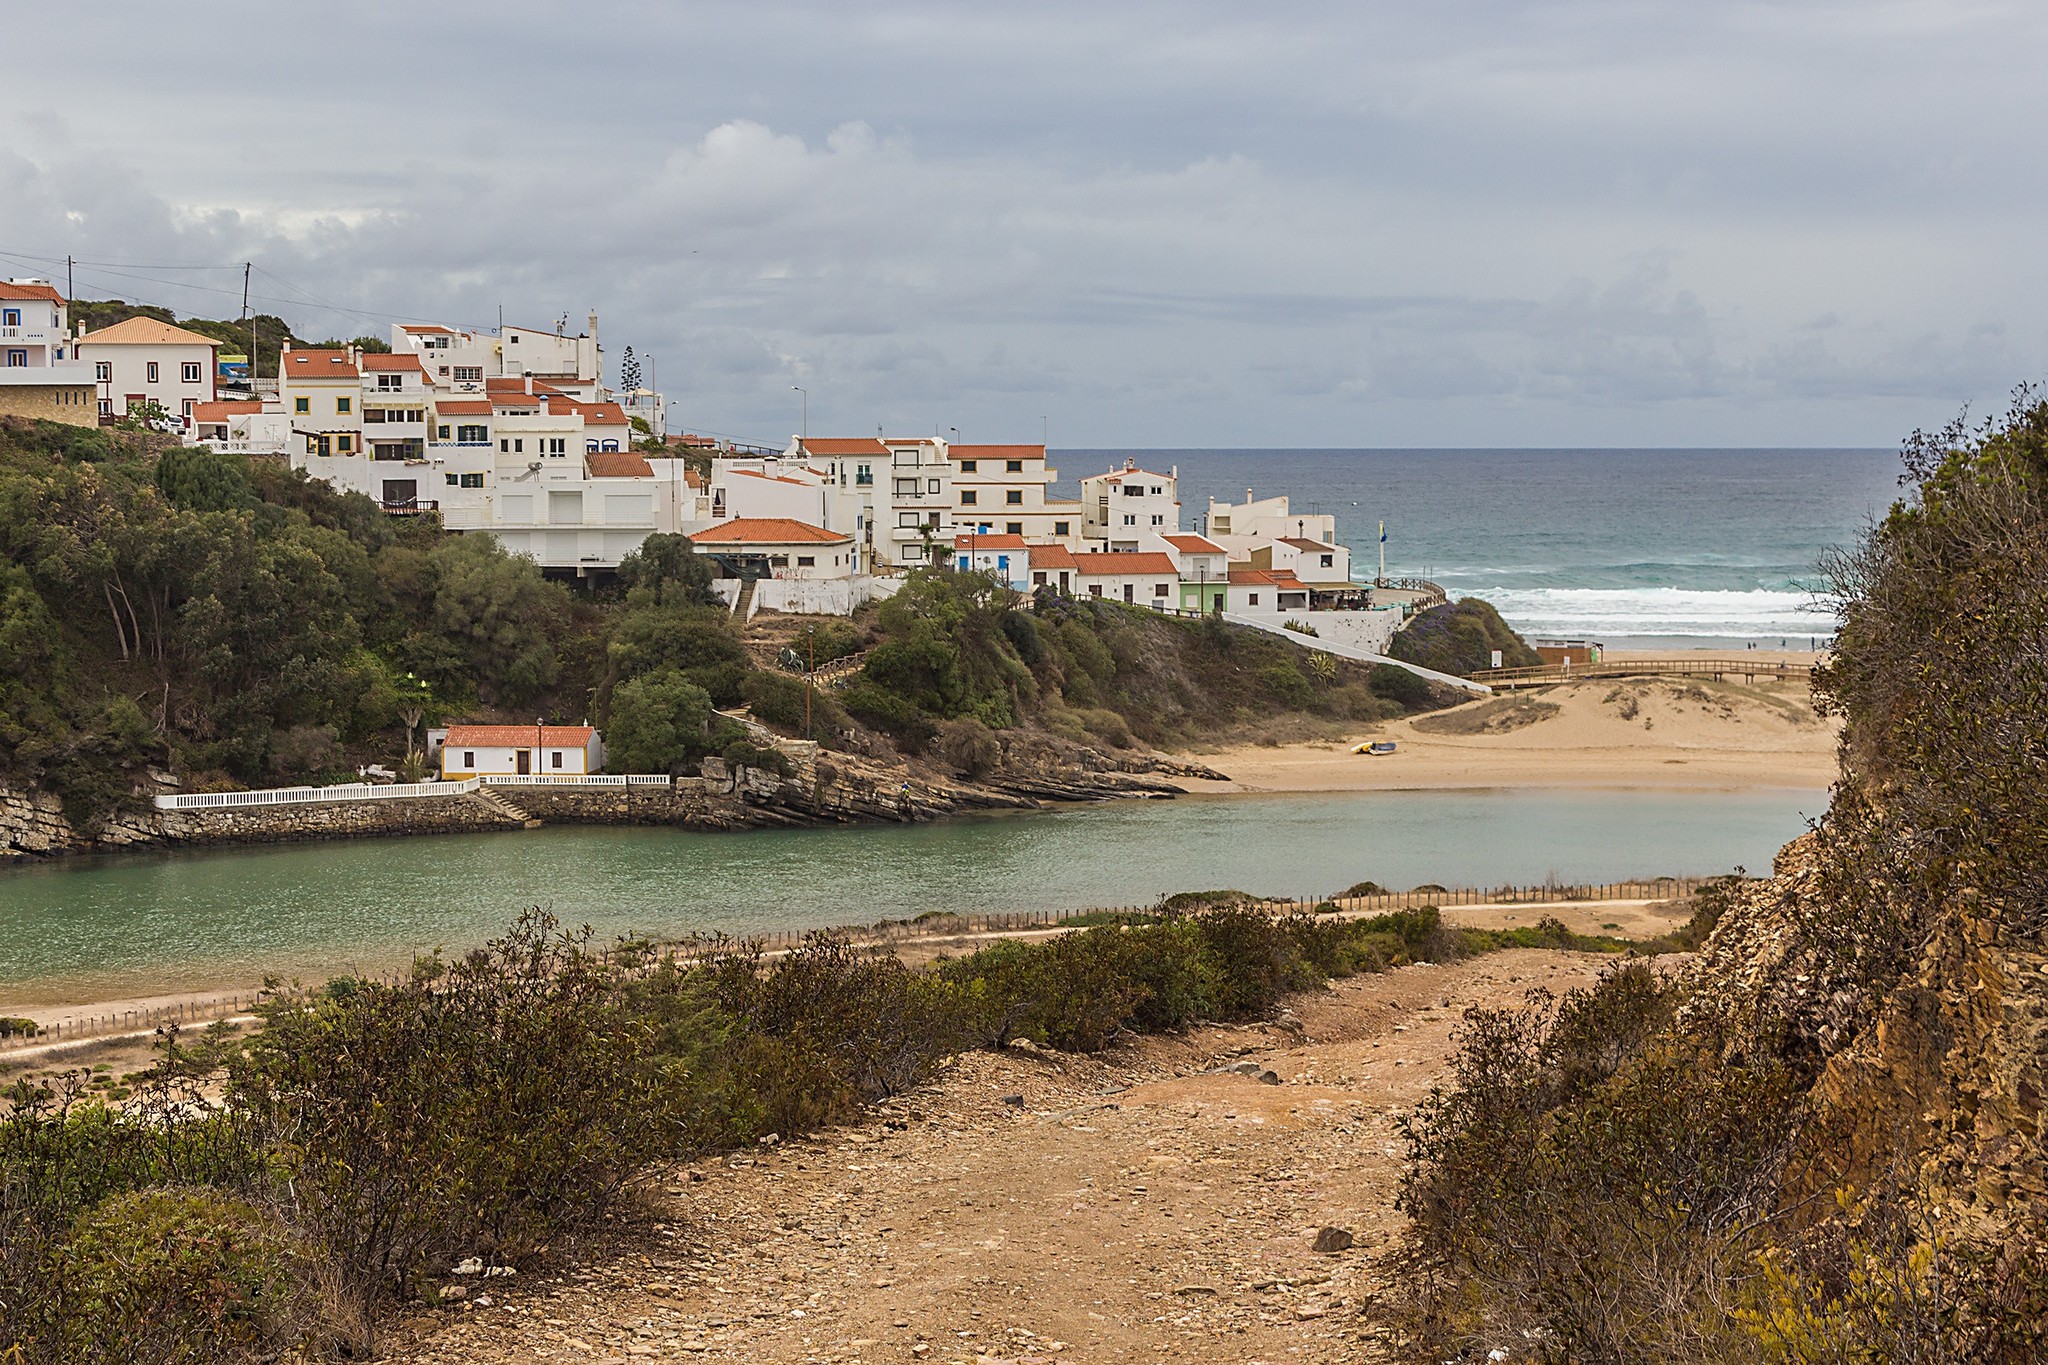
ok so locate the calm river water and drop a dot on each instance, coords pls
(161, 923)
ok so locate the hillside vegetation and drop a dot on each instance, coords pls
(1825, 1142)
(1460, 637)
(233, 623)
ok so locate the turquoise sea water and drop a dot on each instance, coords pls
(1660, 548)
(147, 925)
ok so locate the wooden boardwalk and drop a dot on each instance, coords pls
(1720, 670)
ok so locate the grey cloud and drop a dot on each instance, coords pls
(1496, 222)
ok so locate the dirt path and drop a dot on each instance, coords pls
(1036, 1207)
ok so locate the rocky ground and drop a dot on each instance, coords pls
(1160, 1203)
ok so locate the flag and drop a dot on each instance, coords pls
(1383, 533)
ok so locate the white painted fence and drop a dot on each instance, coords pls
(578, 780)
(303, 796)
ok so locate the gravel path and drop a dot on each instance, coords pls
(1034, 1207)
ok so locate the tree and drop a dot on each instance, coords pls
(659, 722)
(500, 615)
(201, 480)
(629, 372)
(670, 566)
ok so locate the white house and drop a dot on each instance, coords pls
(519, 750)
(39, 375)
(1263, 592)
(1267, 519)
(1002, 489)
(1121, 507)
(905, 488)
(1143, 579)
(1007, 556)
(465, 361)
(320, 391)
(776, 548)
(1204, 569)
(141, 360)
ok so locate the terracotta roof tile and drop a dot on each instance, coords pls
(1150, 561)
(834, 446)
(463, 407)
(22, 292)
(766, 531)
(985, 541)
(221, 411)
(375, 361)
(513, 736)
(144, 332)
(1195, 545)
(618, 464)
(1054, 557)
(998, 452)
(310, 364)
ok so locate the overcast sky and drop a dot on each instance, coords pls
(1461, 222)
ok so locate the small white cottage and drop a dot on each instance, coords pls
(520, 751)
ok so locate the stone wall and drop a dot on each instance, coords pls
(333, 820)
(72, 404)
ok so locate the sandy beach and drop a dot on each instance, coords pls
(1662, 733)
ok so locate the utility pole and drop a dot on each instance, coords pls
(249, 318)
(67, 279)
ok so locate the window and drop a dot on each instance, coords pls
(1013, 528)
(1130, 519)
(1157, 491)
(1132, 490)
(1095, 590)
(344, 405)
(469, 758)
(478, 435)
(1159, 519)
(968, 497)
(469, 374)
(863, 476)
(152, 372)
(906, 518)
(555, 759)
(913, 552)
(372, 415)
(1038, 578)
(103, 371)
(1013, 497)
(515, 338)
(10, 317)
(554, 445)
(472, 481)
(807, 561)
(1059, 528)
(1160, 589)
(189, 372)
(935, 485)
(390, 381)
(302, 405)
(440, 433)
(1252, 599)
(1329, 561)
(969, 466)
(344, 443)
(453, 480)
(106, 407)
(1014, 466)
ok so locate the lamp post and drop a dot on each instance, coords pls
(798, 388)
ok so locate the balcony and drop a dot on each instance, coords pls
(62, 372)
(411, 507)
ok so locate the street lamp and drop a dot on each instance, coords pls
(798, 388)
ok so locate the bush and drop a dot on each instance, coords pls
(473, 1109)
(782, 701)
(969, 746)
(660, 723)
(181, 1275)
(744, 753)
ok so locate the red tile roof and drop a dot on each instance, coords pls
(767, 531)
(618, 464)
(29, 291)
(1300, 544)
(505, 384)
(221, 411)
(1123, 563)
(140, 331)
(377, 360)
(513, 736)
(463, 407)
(311, 364)
(424, 327)
(604, 414)
(1267, 578)
(772, 478)
(984, 541)
(1195, 545)
(835, 446)
(1054, 557)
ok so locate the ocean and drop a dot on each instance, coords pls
(1639, 549)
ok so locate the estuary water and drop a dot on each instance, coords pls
(1661, 549)
(156, 924)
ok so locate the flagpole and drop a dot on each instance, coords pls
(1383, 552)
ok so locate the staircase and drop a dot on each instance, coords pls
(505, 806)
(743, 605)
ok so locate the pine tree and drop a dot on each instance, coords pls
(629, 372)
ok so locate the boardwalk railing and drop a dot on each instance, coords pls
(364, 791)
(299, 796)
(1717, 669)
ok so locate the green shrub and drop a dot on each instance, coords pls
(744, 753)
(181, 1275)
(472, 1109)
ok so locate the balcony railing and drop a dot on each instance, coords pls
(458, 445)
(411, 507)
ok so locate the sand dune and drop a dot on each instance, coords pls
(1638, 732)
